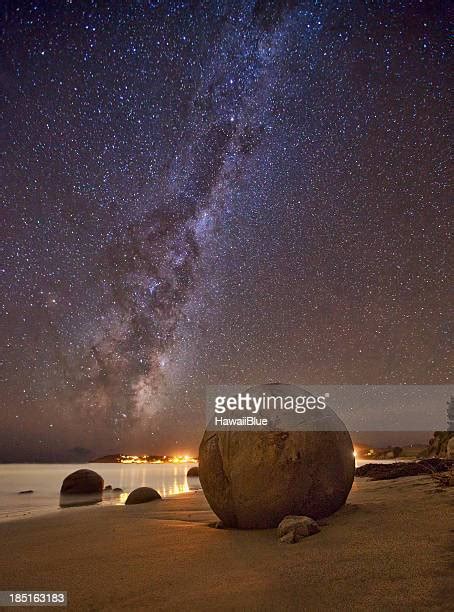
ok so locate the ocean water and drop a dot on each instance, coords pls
(45, 480)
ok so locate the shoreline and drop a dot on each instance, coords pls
(41, 512)
(389, 547)
(51, 505)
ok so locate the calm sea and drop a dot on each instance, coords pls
(45, 480)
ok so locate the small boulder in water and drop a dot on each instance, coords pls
(142, 495)
(82, 482)
(108, 488)
(81, 488)
(292, 529)
(193, 472)
(26, 492)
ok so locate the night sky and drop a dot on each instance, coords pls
(216, 192)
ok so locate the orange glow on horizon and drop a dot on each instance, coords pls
(141, 459)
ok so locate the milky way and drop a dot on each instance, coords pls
(226, 192)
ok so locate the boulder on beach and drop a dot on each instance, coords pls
(82, 482)
(450, 448)
(142, 495)
(193, 472)
(292, 529)
(253, 479)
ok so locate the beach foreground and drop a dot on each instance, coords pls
(389, 548)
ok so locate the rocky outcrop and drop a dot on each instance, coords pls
(292, 529)
(142, 495)
(390, 471)
(450, 448)
(438, 444)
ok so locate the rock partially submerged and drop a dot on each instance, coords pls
(292, 529)
(27, 492)
(82, 482)
(142, 495)
(193, 472)
(81, 488)
(400, 469)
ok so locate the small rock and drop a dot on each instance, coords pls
(142, 495)
(108, 488)
(292, 529)
(194, 471)
(26, 492)
(288, 538)
(118, 490)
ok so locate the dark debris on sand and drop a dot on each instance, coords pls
(389, 471)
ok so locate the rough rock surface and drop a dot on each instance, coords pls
(82, 482)
(439, 445)
(253, 479)
(142, 495)
(292, 529)
(400, 469)
(450, 448)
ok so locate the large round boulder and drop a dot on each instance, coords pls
(193, 472)
(253, 479)
(142, 495)
(82, 482)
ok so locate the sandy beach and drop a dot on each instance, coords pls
(389, 548)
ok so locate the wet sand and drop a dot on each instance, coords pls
(389, 548)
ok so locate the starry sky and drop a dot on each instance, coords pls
(216, 192)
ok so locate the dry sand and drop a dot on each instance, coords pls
(389, 548)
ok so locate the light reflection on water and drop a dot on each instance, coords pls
(45, 480)
(167, 479)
